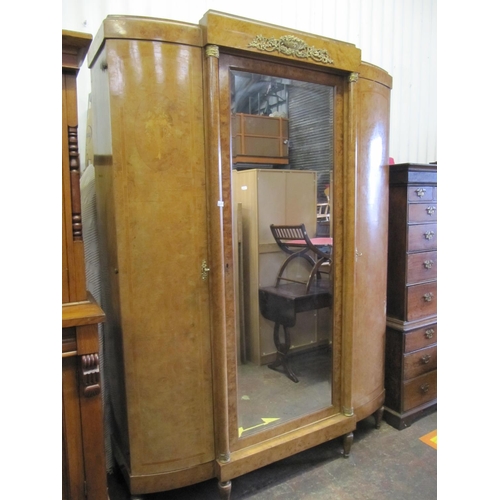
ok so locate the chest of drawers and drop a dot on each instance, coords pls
(411, 334)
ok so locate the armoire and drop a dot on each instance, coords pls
(185, 405)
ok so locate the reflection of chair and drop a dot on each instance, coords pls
(323, 212)
(295, 242)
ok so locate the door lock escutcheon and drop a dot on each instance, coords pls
(204, 270)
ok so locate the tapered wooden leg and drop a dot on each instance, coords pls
(225, 490)
(348, 439)
(378, 417)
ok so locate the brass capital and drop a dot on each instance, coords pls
(212, 51)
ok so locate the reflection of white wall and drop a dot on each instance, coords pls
(399, 36)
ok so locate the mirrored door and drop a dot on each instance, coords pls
(280, 151)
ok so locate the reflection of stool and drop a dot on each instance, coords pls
(295, 242)
(281, 305)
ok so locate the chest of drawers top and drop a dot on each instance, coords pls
(414, 174)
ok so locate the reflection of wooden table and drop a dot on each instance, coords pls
(319, 242)
(281, 305)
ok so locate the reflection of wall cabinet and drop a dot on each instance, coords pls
(161, 95)
(83, 461)
(259, 139)
(411, 356)
(273, 197)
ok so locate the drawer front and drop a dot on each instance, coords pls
(419, 390)
(420, 362)
(421, 301)
(422, 237)
(421, 267)
(422, 212)
(420, 193)
(421, 337)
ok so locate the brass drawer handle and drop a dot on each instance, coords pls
(424, 388)
(428, 263)
(430, 210)
(425, 359)
(428, 297)
(429, 333)
(420, 192)
(429, 235)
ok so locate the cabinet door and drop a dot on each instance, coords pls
(371, 247)
(151, 196)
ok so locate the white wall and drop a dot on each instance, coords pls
(396, 35)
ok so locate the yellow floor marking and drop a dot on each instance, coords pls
(431, 439)
(265, 421)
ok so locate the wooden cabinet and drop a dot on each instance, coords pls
(411, 345)
(272, 197)
(168, 229)
(149, 157)
(83, 460)
(259, 139)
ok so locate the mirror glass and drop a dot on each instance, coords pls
(282, 157)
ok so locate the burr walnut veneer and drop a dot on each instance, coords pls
(161, 97)
(83, 462)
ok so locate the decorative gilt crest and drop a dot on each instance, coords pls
(290, 46)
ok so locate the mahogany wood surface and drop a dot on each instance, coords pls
(422, 266)
(411, 345)
(420, 337)
(420, 390)
(420, 361)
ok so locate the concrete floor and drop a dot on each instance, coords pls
(383, 464)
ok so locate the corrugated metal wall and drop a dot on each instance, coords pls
(310, 110)
(397, 35)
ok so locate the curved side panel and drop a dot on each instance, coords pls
(373, 103)
(151, 190)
